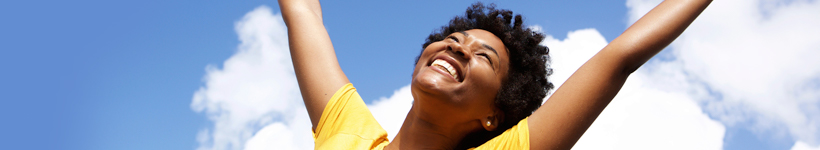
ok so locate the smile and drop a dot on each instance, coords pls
(446, 66)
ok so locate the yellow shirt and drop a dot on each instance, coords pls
(346, 123)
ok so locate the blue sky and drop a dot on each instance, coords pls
(121, 75)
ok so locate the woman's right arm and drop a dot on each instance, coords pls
(314, 60)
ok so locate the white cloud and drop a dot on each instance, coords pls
(800, 145)
(294, 135)
(569, 54)
(390, 112)
(751, 63)
(273, 136)
(640, 117)
(254, 100)
(255, 87)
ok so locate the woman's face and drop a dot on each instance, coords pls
(456, 79)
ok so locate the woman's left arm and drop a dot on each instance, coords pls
(561, 121)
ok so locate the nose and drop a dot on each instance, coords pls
(459, 50)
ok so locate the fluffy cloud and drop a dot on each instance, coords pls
(255, 87)
(800, 145)
(293, 135)
(641, 116)
(749, 63)
(390, 112)
(253, 100)
(569, 54)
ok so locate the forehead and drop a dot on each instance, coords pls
(486, 37)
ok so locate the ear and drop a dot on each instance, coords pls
(491, 122)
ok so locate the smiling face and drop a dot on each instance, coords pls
(456, 79)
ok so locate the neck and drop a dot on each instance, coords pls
(418, 133)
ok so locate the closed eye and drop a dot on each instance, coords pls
(453, 38)
(486, 57)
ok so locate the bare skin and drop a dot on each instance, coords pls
(481, 60)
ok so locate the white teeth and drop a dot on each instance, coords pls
(446, 66)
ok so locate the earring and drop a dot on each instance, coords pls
(489, 123)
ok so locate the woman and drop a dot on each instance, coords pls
(476, 82)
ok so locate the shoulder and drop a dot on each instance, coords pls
(346, 122)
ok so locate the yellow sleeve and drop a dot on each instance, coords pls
(346, 123)
(517, 137)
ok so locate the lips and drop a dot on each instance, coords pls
(448, 66)
(444, 65)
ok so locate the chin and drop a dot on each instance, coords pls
(429, 85)
(431, 82)
(431, 100)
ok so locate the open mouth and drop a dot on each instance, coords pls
(447, 67)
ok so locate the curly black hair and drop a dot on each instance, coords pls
(526, 84)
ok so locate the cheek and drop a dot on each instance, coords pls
(425, 56)
(484, 81)
(484, 73)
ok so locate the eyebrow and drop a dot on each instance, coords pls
(482, 44)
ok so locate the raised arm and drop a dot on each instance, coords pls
(561, 121)
(314, 60)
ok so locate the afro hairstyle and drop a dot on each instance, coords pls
(526, 84)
